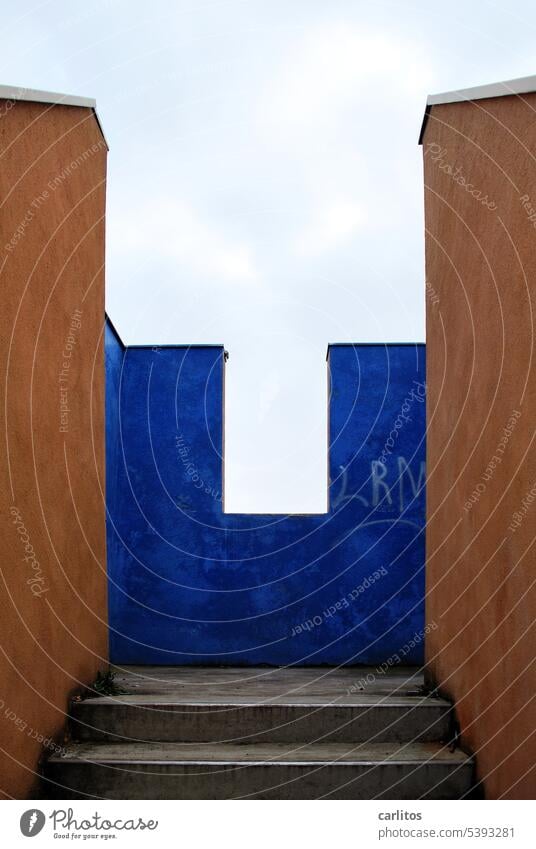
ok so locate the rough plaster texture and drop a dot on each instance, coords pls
(53, 576)
(481, 460)
(190, 584)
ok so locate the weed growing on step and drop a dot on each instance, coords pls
(104, 685)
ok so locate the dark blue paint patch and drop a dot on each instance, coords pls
(190, 584)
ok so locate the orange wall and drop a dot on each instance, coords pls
(481, 366)
(53, 635)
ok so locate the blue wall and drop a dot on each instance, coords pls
(191, 584)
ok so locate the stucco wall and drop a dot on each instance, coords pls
(53, 633)
(479, 171)
(192, 584)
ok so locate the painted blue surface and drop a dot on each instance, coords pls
(190, 584)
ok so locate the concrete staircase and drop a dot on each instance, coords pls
(202, 733)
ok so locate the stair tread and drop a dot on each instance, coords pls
(346, 753)
(260, 683)
(266, 733)
(364, 700)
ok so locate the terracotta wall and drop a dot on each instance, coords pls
(480, 187)
(53, 634)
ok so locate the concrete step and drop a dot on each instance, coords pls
(283, 719)
(259, 771)
(261, 683)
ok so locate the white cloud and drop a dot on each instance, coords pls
(334, 64)
(269, 391)
(333, 223)
(173, 230)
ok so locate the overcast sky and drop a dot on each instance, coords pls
(265, 184)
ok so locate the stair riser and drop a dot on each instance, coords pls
(258, 781)
(261, 724)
